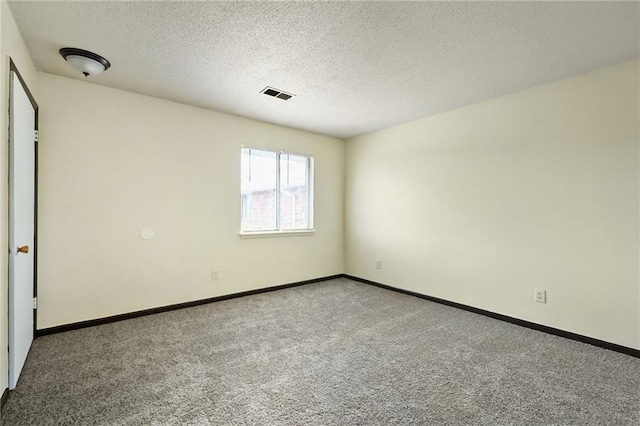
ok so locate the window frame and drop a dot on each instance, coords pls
(278, 232)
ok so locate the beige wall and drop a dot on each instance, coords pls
(113, 163)
(483, 204)
(480, 205)
(11, 46)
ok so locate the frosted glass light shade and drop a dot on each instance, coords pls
(86, 66)
(88, 63)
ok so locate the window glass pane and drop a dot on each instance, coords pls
(294, 192)
(258, 187)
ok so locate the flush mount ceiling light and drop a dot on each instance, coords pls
(88, 63)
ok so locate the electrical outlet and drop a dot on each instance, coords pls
(540, 295)
(378, 264)
(214, 276)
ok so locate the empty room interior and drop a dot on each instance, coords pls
(327, 213)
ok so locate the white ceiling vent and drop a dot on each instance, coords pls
(277, 93)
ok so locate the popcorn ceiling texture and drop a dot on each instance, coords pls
(333, 353)
(355, 67)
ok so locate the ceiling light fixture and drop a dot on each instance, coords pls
(88, 63)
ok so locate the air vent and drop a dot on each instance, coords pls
(276, 93)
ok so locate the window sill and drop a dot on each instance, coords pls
(271, 234)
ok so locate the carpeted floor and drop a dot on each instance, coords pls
(332, 353)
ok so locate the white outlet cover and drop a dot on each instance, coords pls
(540, 295)
(147, 234)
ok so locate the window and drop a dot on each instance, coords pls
(276, 191)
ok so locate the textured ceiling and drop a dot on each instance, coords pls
(354, 67)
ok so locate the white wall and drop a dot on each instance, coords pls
(11, 46)
(113, 163)
(482, 204)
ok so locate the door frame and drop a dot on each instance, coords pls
(34, 104)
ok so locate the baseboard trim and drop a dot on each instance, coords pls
(3, 399)
(524, 323)
(539, 327)
(151, 311)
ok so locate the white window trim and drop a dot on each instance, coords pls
(271, 234)
(288, 232)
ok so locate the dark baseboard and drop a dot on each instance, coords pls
(3, 399)
(136, 314)
(562, 333)
(555, 331)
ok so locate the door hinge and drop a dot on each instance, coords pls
(35, 303)
(35, 133)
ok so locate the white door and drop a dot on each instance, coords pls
(21, 226)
